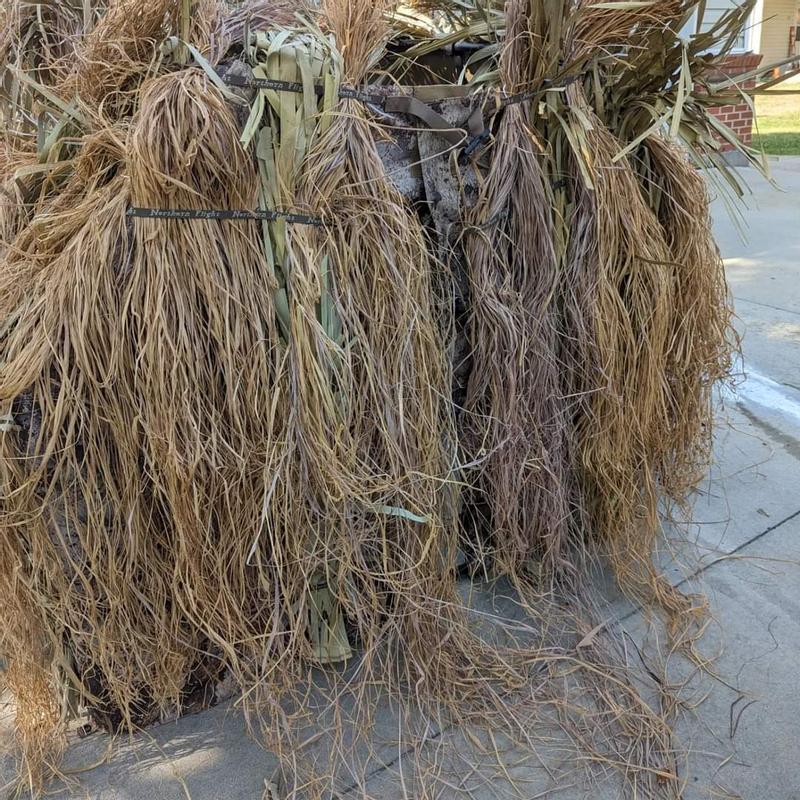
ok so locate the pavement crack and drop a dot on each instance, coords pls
(743, 545)
(767, 305)
(706, 567)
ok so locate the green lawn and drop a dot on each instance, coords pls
(779, 121)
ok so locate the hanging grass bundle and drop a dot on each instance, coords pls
(295, 355)
(701, 336)
(515, 424)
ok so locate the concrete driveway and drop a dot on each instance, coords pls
(745, 737)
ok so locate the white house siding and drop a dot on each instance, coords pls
(779, 16)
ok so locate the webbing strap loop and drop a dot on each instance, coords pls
(436, 122)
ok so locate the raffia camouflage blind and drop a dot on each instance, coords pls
(312, 317)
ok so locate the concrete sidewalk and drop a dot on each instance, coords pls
(745, 737)
(749, 516)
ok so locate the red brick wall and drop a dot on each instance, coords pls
(738, 118)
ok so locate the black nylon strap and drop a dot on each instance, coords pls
(348, 93)
(351, 93)
(345, 92)
(269, 83)
(522, 97)
(219, 214)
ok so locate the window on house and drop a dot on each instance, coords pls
(714, 10)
